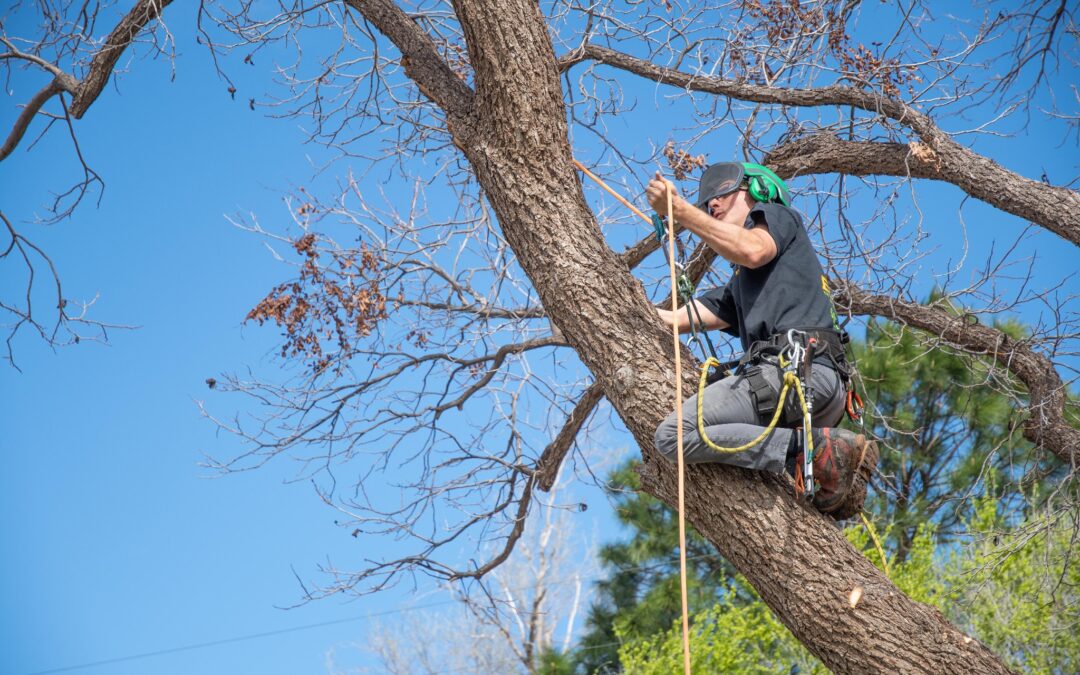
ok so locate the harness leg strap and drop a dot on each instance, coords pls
(765, 397)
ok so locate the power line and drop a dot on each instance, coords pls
(239, 638)
(320, 624)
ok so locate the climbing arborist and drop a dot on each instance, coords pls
(777, 297)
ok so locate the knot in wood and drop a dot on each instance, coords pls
(625, 377)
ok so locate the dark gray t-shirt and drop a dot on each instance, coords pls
(789, 292)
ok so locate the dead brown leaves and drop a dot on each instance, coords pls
(925, 154)
(335, 301)
(781, 22)
(682, 163)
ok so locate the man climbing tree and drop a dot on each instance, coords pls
(497, 98)
(743, 213)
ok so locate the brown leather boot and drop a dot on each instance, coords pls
(843, 464)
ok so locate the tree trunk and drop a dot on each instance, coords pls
(516, 139)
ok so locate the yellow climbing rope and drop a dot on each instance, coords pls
(877, 542)
(790, 380)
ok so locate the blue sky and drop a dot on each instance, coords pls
(117, 542)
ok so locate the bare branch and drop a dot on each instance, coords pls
(547, 467)
(14, 53)
(101, 67)
(420, 58)
(511, 539)
(28, 113)
(484, 311)
(1046, 426)
(1055, 208)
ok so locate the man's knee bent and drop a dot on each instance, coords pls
(666, 439)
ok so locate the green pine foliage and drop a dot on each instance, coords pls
(1018, 588)
(552, 662)
(641, 596)
(942, 424)
(729, 637)
(1020, 596)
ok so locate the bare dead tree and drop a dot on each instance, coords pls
(466, 343)
(529, 608)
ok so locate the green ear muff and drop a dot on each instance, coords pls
(727, 177)
(760, 189)
(764, 185)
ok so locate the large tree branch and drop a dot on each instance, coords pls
(1054, 208)
(421, 59)
(979, 177)
(1046, 426)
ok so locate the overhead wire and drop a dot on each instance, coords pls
(331, 622)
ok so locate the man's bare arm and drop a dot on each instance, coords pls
(750, 248)
(709, 320)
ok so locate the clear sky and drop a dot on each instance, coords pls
(116, 542)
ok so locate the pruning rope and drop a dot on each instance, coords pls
(679, 437)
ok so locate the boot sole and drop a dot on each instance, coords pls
(852, 502)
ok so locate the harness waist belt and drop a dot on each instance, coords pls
(830, 345)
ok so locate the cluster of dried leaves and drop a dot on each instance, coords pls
(784, 22)
(682, 163)
(338, 301)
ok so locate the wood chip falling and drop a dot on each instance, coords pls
(855, 597)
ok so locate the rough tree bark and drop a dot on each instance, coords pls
(513, 132)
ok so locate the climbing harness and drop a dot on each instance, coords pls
(795, 360)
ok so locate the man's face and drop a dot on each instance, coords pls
(719, 207)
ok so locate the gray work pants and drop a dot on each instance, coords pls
(731, 421)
